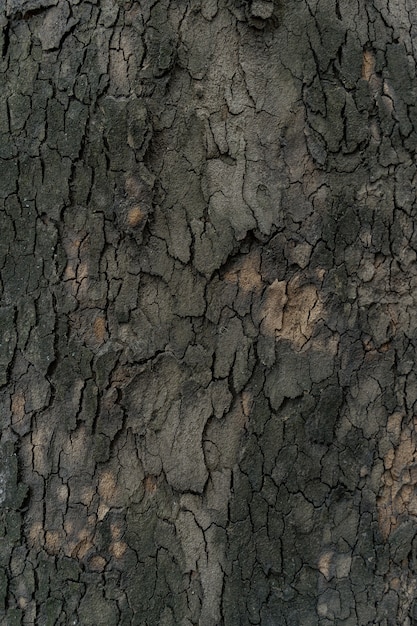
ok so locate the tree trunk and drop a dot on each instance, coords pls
(208, 317)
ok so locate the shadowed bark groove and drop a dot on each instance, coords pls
(208, 312)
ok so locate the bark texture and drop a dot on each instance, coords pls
(208, 312)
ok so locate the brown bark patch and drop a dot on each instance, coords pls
(54, 540)
(368, 64)
(247, 401)
(325, 564)
(135, 216)
(150, 484)
(18, 406)
(102, 511)
(81, 549)
(273, 309)
(116, 531)
(22, 602)
(117, 549)
(97, 563)
(398, 498)
(246, 273)
(291, 311)
(36, 534)
(80, 532)
(100, 329)
(301, 313)
(107, 486)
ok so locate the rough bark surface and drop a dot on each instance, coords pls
(208, 312)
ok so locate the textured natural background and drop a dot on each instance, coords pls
(208, 312)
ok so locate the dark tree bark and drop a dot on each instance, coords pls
(208, 312)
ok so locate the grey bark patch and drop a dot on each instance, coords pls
(26, 6)
(261, 9)
(55, 24)
(181, 444)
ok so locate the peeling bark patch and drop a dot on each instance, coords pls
(398, 496)
(301, 312)
(291, 311)
(246, 274)
(100, 329)
(368, 65)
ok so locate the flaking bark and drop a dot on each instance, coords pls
(208, 327)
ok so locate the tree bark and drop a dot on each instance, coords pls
(208, 312)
